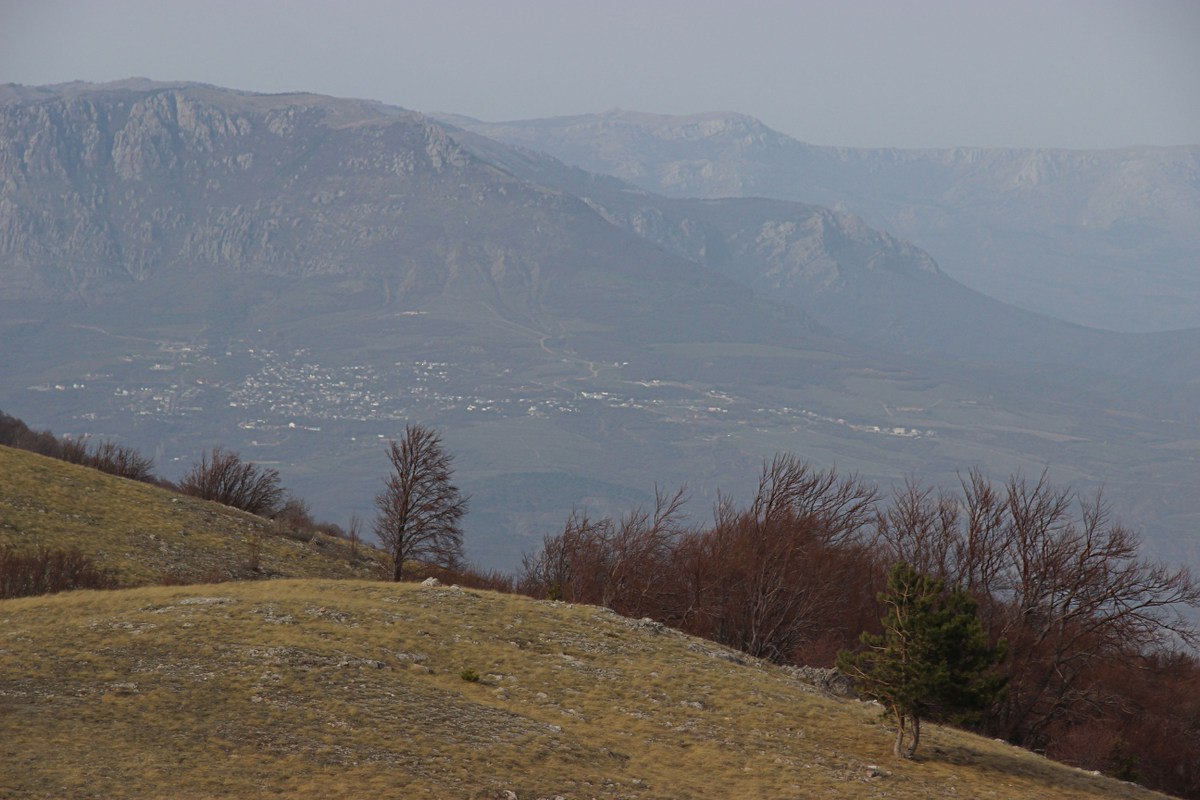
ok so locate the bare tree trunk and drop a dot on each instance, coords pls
(900, 749)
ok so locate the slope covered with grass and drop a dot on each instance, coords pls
(143, 533)
(334, 689)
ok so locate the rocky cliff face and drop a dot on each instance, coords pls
(802, 250)
(103, 189)
(100, 189)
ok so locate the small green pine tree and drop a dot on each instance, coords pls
(933, 660)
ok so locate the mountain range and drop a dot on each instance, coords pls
(1107, 239)
(298, 276)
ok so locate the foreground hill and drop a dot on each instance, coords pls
(350, 689)
(145, 534)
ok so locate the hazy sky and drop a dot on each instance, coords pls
(905, 73)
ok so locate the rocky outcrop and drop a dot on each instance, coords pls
(826, 680)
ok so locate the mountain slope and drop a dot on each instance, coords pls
(339, 689)
(860, 283)
(144, 534)
(1107, 239)
(122, 195)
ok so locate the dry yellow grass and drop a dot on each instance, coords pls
(353, 689)
(141, 532)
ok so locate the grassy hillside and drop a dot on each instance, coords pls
(142, 533)
(335, 689)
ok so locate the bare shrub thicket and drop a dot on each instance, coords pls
(769, 579)
(224, 478)
(294, 518)
(1057, 578)
(1101, 667)
(46, 571)
(15, 433)
(616, 563)
(106, 456)
(122, 461)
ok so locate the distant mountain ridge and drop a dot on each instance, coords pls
(296, 277)
(107, 191)
(187, 180)
(1107, 238)
(862, 283)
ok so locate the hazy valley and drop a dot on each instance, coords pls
(296, 276)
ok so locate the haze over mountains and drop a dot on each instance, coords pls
(297, 276)
(1107, 239)
(861, 283)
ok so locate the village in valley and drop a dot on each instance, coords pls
(271, 393)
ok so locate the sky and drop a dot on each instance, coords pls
(865, 73)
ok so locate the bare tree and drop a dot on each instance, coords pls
(784, 575)
(353, 533)
(770, 586)
(789, 489)
(571, 564)
(640, 549)
(225, 478)
(622, 564)
(419, 508)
